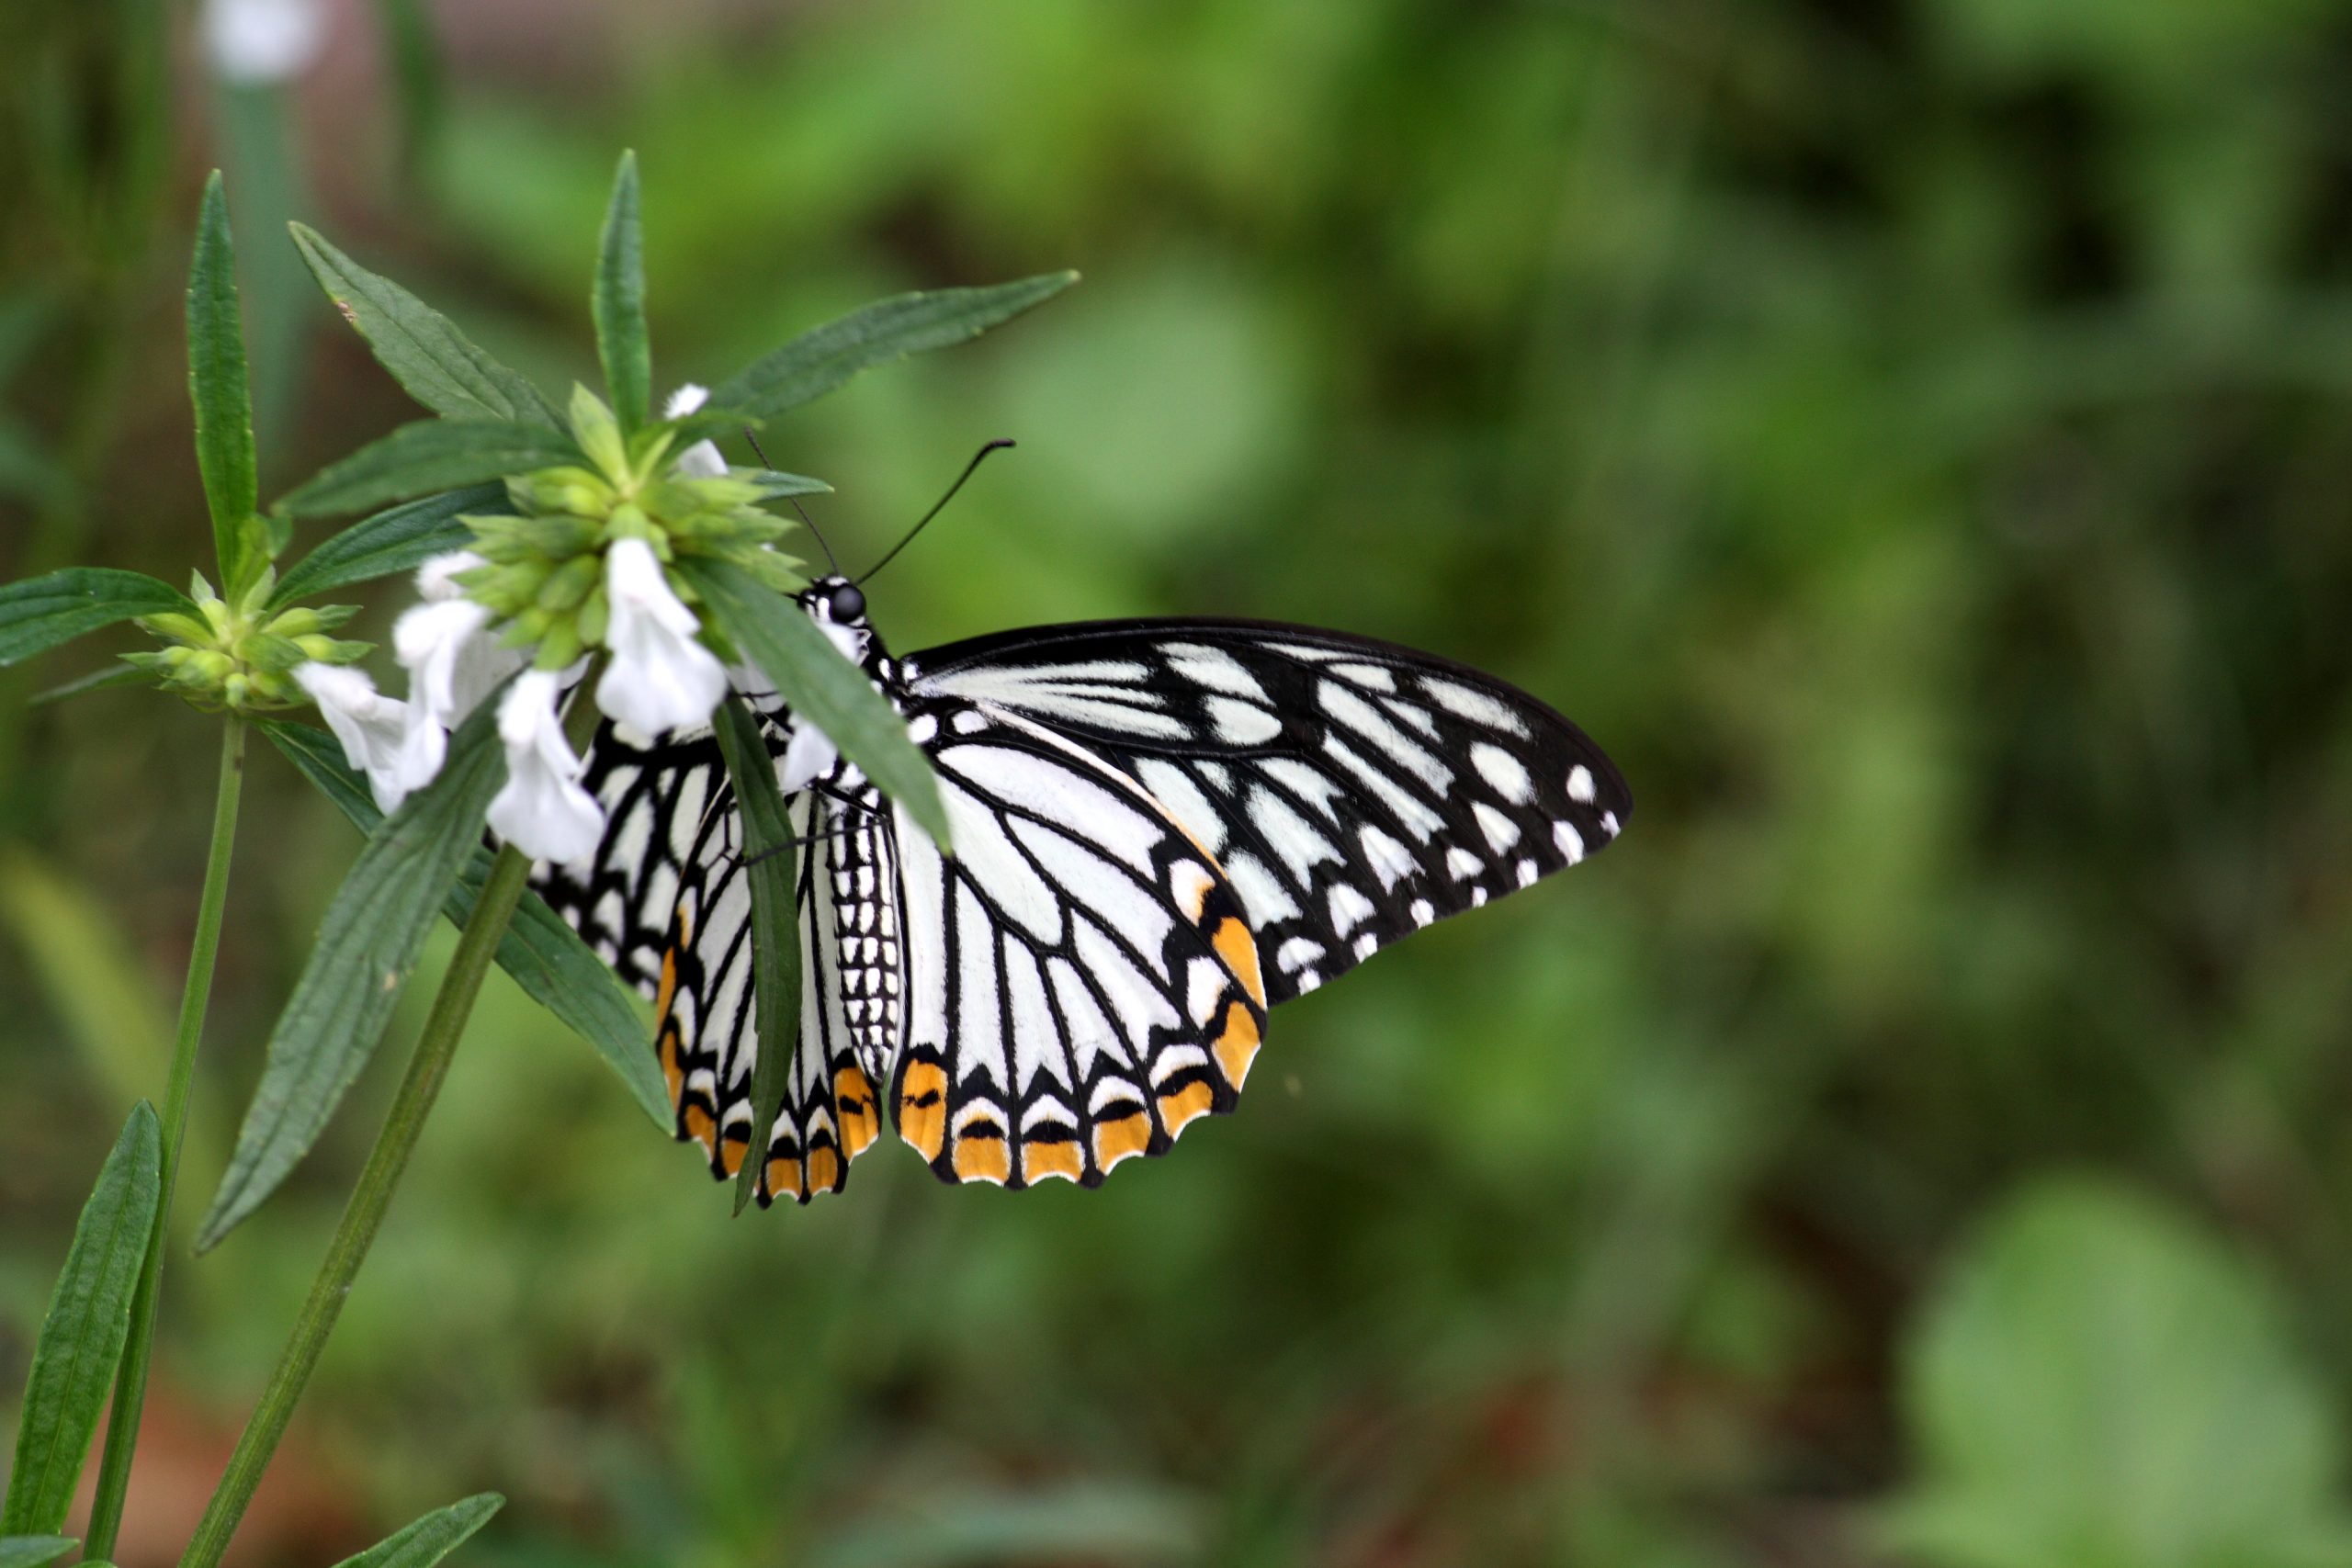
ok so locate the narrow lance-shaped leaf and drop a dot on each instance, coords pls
(619, 304)
(82, 1337)
(546, 956)
(439, 364)
(432, 1538)
(41, 611)
(816, 362)
(366, 946)
(34, 1550)
(217, 386)
(769, 862)
(399, 539)
(432, 454)
(823, 686)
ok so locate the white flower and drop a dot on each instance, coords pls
(437, 580)
(541, 809)
(660, 677)
(702, 460)
(452, 661)
(380, 735)
(263, 40)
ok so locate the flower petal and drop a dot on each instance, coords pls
(661, 676)
(541, 809)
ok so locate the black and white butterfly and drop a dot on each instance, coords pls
(1161, 829)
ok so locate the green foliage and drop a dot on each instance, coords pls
(40, 613)
(439, 365)
(429, 455)
(82, 1336)
(820, 360)
(216, 388)
(619, 305)
(771, 867)
(432, 1538)
(832, 693)
(399, 539)
(2099, 1383)
(365, 949)
(33, 1551)
(544, 956)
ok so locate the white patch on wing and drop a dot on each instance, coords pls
(1580, 783)
(1213, 668)
(1462, 864)
(1204, 985)
(1297, 953)
(1506, 773)
(1423, 911)
(1349, 908)
(1174, 788)
(1312, 784)
(1379, 677)
(1264, 897)
(1571, 843)
(1405, 807)
(1036, 1044)
(985, 852)
(1057, 792)
(1479, 707)
(1291, 835)
(1242, 724)
(1500, 830)
(1086, 877)
(1369, 722)
(1388, 858)
(1091, 1034)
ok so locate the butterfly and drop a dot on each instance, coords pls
(1161, 829)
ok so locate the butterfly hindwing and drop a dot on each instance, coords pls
(1353, 791)
(1082, 981)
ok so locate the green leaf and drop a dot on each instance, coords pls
(823, 686)
(399, 540)
(620, 304)
(775, 483)
(432, 1538)
(366, 946)
(41, 611)
(431, 454)
(2099, 1382)
(439, 364)
(217, 386)
(546, 956)
(816, 362)
(97, 680)
(769, 861)
(33, 1551)
(82, 1337)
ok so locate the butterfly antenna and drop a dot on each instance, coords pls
(796, 504)
(978, 458)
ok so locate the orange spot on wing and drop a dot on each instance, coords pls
(1178, 1109)
(1240, 950)
(700, 1127)
(923, 1107)
(853, 1100)
(1237, 1046)
(981, 1159)
(671, 1071)
(1040, 1161)
(1122, 1136)
(668, 992)
(824, 1170)
(783, 1179)
(730, 1154)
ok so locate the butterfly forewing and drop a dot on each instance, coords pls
(1353, 791)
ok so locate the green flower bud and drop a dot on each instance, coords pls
(570, 583)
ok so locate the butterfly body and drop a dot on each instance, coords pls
(1161, 829)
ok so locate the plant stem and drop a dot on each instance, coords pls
(130, 1380)
(476, 948)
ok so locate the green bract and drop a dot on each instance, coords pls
(543, 575)
(241, 656)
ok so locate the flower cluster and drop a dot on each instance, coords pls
(579, 567)
(244, 655)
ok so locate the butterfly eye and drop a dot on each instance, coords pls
(847, 602)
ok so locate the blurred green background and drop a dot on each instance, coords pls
(1911, 436)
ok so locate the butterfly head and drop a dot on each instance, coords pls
(836, 603)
